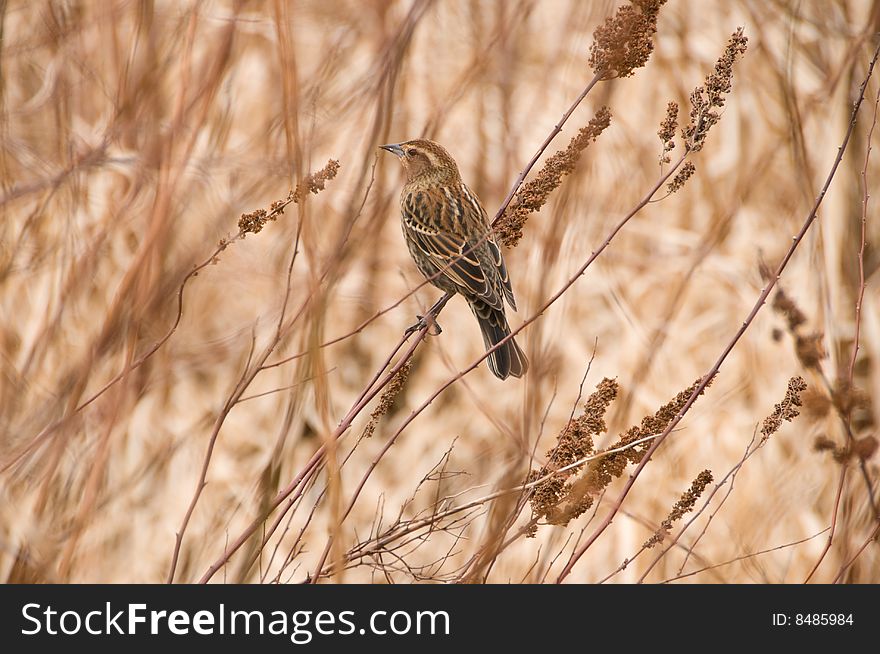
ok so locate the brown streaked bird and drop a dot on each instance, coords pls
(450, 240)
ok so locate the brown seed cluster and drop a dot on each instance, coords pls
(684, 505)
(625, 41)
(533, 195)
(707, 99)
(840, 396)
(683, 175)
(574, 443)
(563, 501)
(785, 410)
(667, 131)
(386, 401)
(254, 221)
(314, 182)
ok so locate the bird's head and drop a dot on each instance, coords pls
(425, 161)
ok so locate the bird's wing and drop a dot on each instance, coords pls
(497, 259)
(459, 262)
(504, 278)
(460, 259)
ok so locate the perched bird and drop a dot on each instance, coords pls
(448, 235)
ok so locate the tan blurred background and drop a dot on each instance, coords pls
(134, 134)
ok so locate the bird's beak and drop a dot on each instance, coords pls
(393, 148)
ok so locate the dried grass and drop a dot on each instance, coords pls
(132, 139)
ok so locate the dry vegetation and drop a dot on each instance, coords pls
(205, 291)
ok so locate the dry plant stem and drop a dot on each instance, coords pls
(674, 542)
(300, 480)
(651, 525)
(247, 376)
(49, 430)
(762, 298)
(872, 537)
(315, 462)
(856, 336)
(731, 475)
(623, 565)
(864, 226)
(357, 330)
(746, 556)
(552, 135)
(295, 547)
(188, 146)
(525, 493)
(847, 428)
(250, 372)
(859, 300)
(843, 468)
(467, 576)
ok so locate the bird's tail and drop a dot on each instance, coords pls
(508, 359)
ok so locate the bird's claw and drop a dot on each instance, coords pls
(424, 322)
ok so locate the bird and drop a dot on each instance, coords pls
(450, 240)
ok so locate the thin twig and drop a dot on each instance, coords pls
(858, 553)
(745, 556)
(840, 486)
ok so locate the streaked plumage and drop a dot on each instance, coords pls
(447, 229)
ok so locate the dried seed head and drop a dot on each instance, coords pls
(574, 442)
(576, 497)
(667, 130)
(684, 505)
(786, 410)
(683, 175)
(825, 444)
(816, 403)
(707, 99)
(254, 221)
(386, 401)
(314, 183)
(533, 195)
(847, 398)
(625, 41)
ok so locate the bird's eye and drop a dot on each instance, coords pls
(411, 152)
